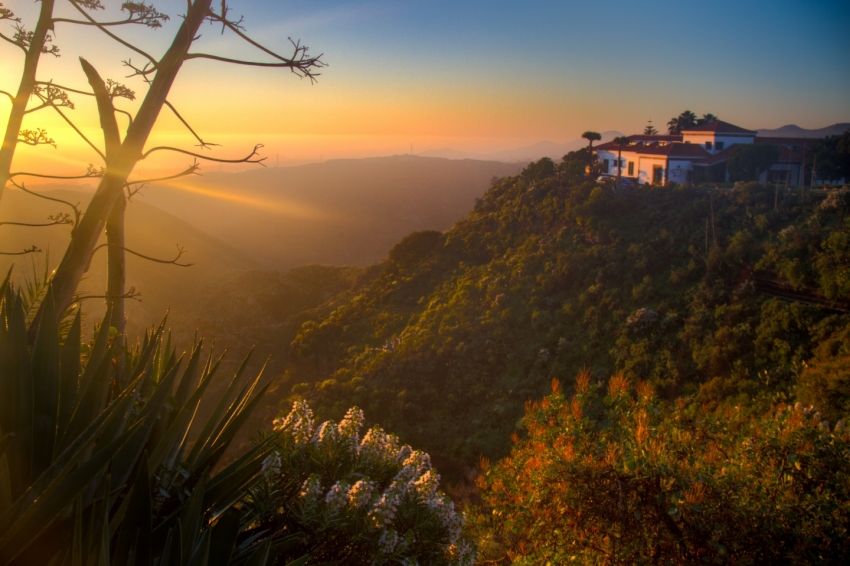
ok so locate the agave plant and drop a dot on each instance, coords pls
(96, 474)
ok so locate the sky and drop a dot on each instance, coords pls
(476, 76)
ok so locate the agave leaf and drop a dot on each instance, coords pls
(103, 547)
(98, 351)
(5, 442)
(135, 533)
(167, 552)
(77, 542)
(5, 282)
(189, 376)
(261, 556)
(226, 436)
(161, 426)
(201, 554)
(223, 540)
(64, 463)
(148, 349)
(234, 477)
(218, 437)
(90, 402)
(47, 508)
(128, 456)
(192, 518)
(205, 435)
(45, 386)
(5, 485)
(17, 378)
(162, 392)
(69, 364)
(177, 432)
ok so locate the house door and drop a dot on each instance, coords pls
(657, 174)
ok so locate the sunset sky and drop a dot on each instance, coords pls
(470, 75)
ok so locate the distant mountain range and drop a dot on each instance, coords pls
(792, 131)
(523, 154)
(339, 212)
(558, 150)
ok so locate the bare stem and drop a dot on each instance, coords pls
(180, 252)
(32, 250)
(246, 159)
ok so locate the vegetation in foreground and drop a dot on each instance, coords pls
(612, 475)
(93, 472)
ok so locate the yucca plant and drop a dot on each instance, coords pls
(94, 474)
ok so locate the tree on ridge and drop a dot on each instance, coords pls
(620, 141)
(590, 137)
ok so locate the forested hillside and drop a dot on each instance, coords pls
(674, 286)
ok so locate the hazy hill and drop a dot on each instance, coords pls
(224, 294)
(792, 131)
(340, 212)
(149, 231)
(523, 154)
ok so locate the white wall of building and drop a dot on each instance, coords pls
(678, 171)
(645, 167)
(727, 140)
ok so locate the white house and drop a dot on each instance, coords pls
(698, 154)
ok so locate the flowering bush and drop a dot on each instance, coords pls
(360, 500)
(620, 479)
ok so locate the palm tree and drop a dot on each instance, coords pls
(590, 137)
(683, 121)
(708, 118)
(620, 141)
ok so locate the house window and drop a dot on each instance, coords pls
(718, 146)
(657, 174)
(708, 146)
(631, 168)
(604, 165)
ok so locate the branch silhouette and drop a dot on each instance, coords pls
(62, 218)
(180, 252)
(246, 159)
(32, 250)
(23, 187)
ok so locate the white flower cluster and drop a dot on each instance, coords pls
(298, 423)
(378, 447)
(271, 466)
(388, 541)
(349, 428)
(414, 484)
(325, 434)
(360, 494)
(311, 489)
(337, 496)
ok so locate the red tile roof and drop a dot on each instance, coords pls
(675, 149)
(718, 157)
(720, 127)
(640, 140)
